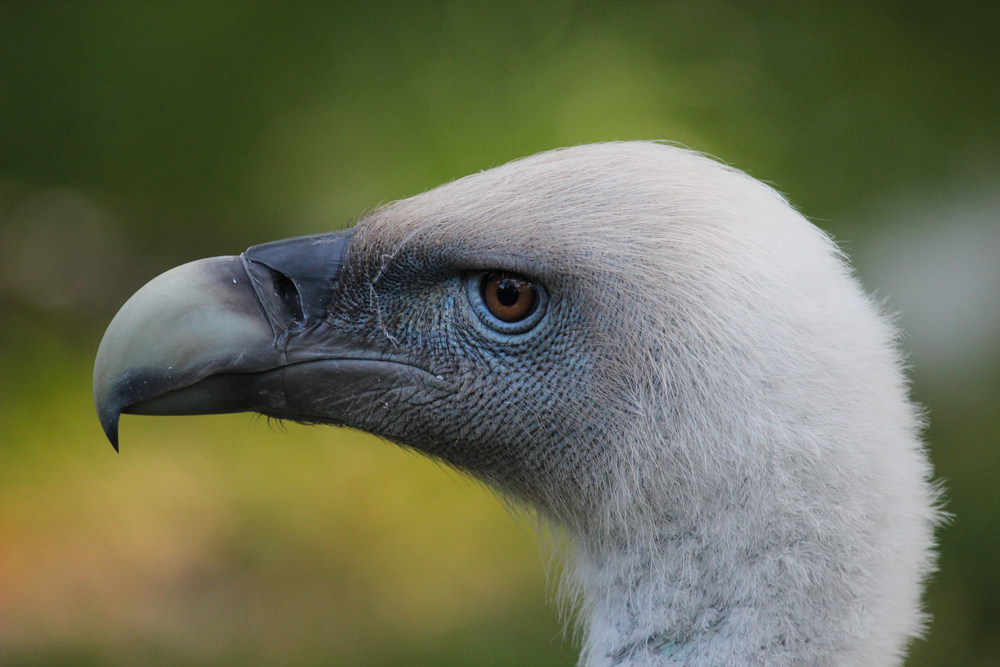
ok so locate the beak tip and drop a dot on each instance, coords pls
(111, 431)
(109, 416)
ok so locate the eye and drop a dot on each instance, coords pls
(507, 302)
(508, 296)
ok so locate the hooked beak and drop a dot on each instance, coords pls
(228, 334)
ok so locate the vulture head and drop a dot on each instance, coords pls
(653, 350)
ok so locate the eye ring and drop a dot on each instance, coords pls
(507, 302)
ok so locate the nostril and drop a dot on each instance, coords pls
(289, 295)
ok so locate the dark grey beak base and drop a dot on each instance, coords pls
(213, 335)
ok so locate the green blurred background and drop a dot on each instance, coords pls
(135, 136)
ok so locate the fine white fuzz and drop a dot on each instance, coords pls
(768, 501)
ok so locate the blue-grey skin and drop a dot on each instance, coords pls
(394, 341)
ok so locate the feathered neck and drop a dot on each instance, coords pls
(785, 560)
(706, 587)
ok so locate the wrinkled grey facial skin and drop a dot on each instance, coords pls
(512, 409)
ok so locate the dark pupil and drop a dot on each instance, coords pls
(508, 292)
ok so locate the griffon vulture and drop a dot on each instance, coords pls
(653, 350)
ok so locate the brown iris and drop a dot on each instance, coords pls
(508, 296)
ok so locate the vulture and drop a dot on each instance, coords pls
(654, 351)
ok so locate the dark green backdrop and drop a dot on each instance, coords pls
(136, 135)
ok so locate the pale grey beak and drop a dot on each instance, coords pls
(218, 335)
